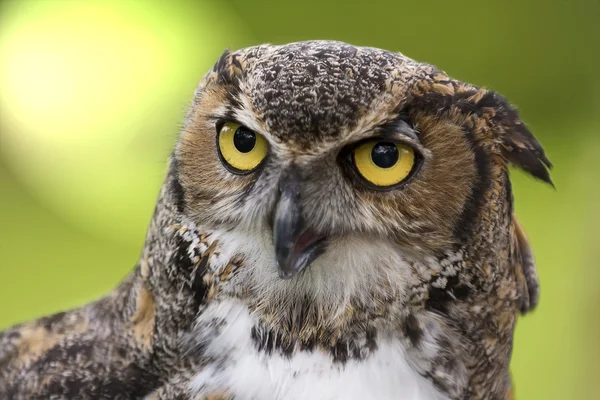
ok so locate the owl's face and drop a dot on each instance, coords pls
(323, 151)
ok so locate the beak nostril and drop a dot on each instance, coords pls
(289, 182)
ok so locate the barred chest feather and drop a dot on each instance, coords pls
(239, 369)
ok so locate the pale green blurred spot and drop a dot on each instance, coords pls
(84, 87)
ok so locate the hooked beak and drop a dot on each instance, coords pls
(296, 245)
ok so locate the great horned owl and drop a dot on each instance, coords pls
(336, 223)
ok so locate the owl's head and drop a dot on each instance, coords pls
(341, 166)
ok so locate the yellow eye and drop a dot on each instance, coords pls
(384, 163)
(241, 149)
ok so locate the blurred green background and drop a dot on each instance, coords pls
(92, 94)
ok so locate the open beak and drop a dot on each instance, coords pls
(296, 245)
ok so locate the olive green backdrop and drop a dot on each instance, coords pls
(92, 94)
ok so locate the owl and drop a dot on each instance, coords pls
(336, 223)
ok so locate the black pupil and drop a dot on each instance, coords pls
(244, 139)
(385, 155)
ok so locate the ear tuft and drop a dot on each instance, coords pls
(222, 67)
(491, 111)
(520, 147)
(523, 150)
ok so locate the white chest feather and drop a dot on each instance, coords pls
(247, 374)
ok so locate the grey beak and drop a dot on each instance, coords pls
(295, 245)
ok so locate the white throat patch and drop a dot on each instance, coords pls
(245, 373)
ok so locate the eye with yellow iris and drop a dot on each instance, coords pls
(241, 149)
(384, 164)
